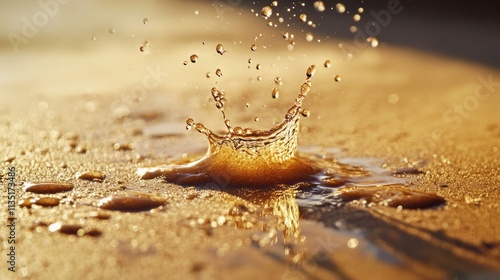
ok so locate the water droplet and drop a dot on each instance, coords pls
(256, 119)
(327, 64)
(274, 4)
(319, 6)
(373, 41)
(47, 201)
(100, 215)
(196, 12)
(337, 78)
(247, 105)
(285, 35)
(218, 72)
(189, 123)
(303, 17)
(309, 37)
(94, 38)
(257, 66)
(47, 187)
(193, 58)
(208, 75)
(305, 113)
(91, 176)
(142, 48)
(275, 94)
(145, 21)
(353, 29)
(111, 31)
(253, 47)
(393, 98)
(352, 243)
(278, 81)
(131, 202)
(356, 17)
(220, 49)
(267, 11)
(123, 146)
(340, 8)
(74, 229)
(361, 10)
(311, 71)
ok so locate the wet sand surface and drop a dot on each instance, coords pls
(89, 113)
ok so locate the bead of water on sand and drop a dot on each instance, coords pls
(145, 21)
(253, 47)
(256, 119)
(327, 64)
(257, 66)
(218, 72)
(337, 78)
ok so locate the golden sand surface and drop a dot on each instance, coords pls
(79, 97)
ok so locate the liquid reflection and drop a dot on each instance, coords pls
(280, 219)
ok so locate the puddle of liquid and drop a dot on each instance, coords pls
(47, 187)
(131, 202)
(390, 195)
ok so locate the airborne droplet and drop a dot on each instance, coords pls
(340, 8)
(327, 64)
(319, 6)
(373, 41)
(303, 17)
(267, 11)
(311, 71)
(275, 94)
(220, 49)
(193, 58)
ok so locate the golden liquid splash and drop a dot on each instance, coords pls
(243, 157)
(246, 157)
